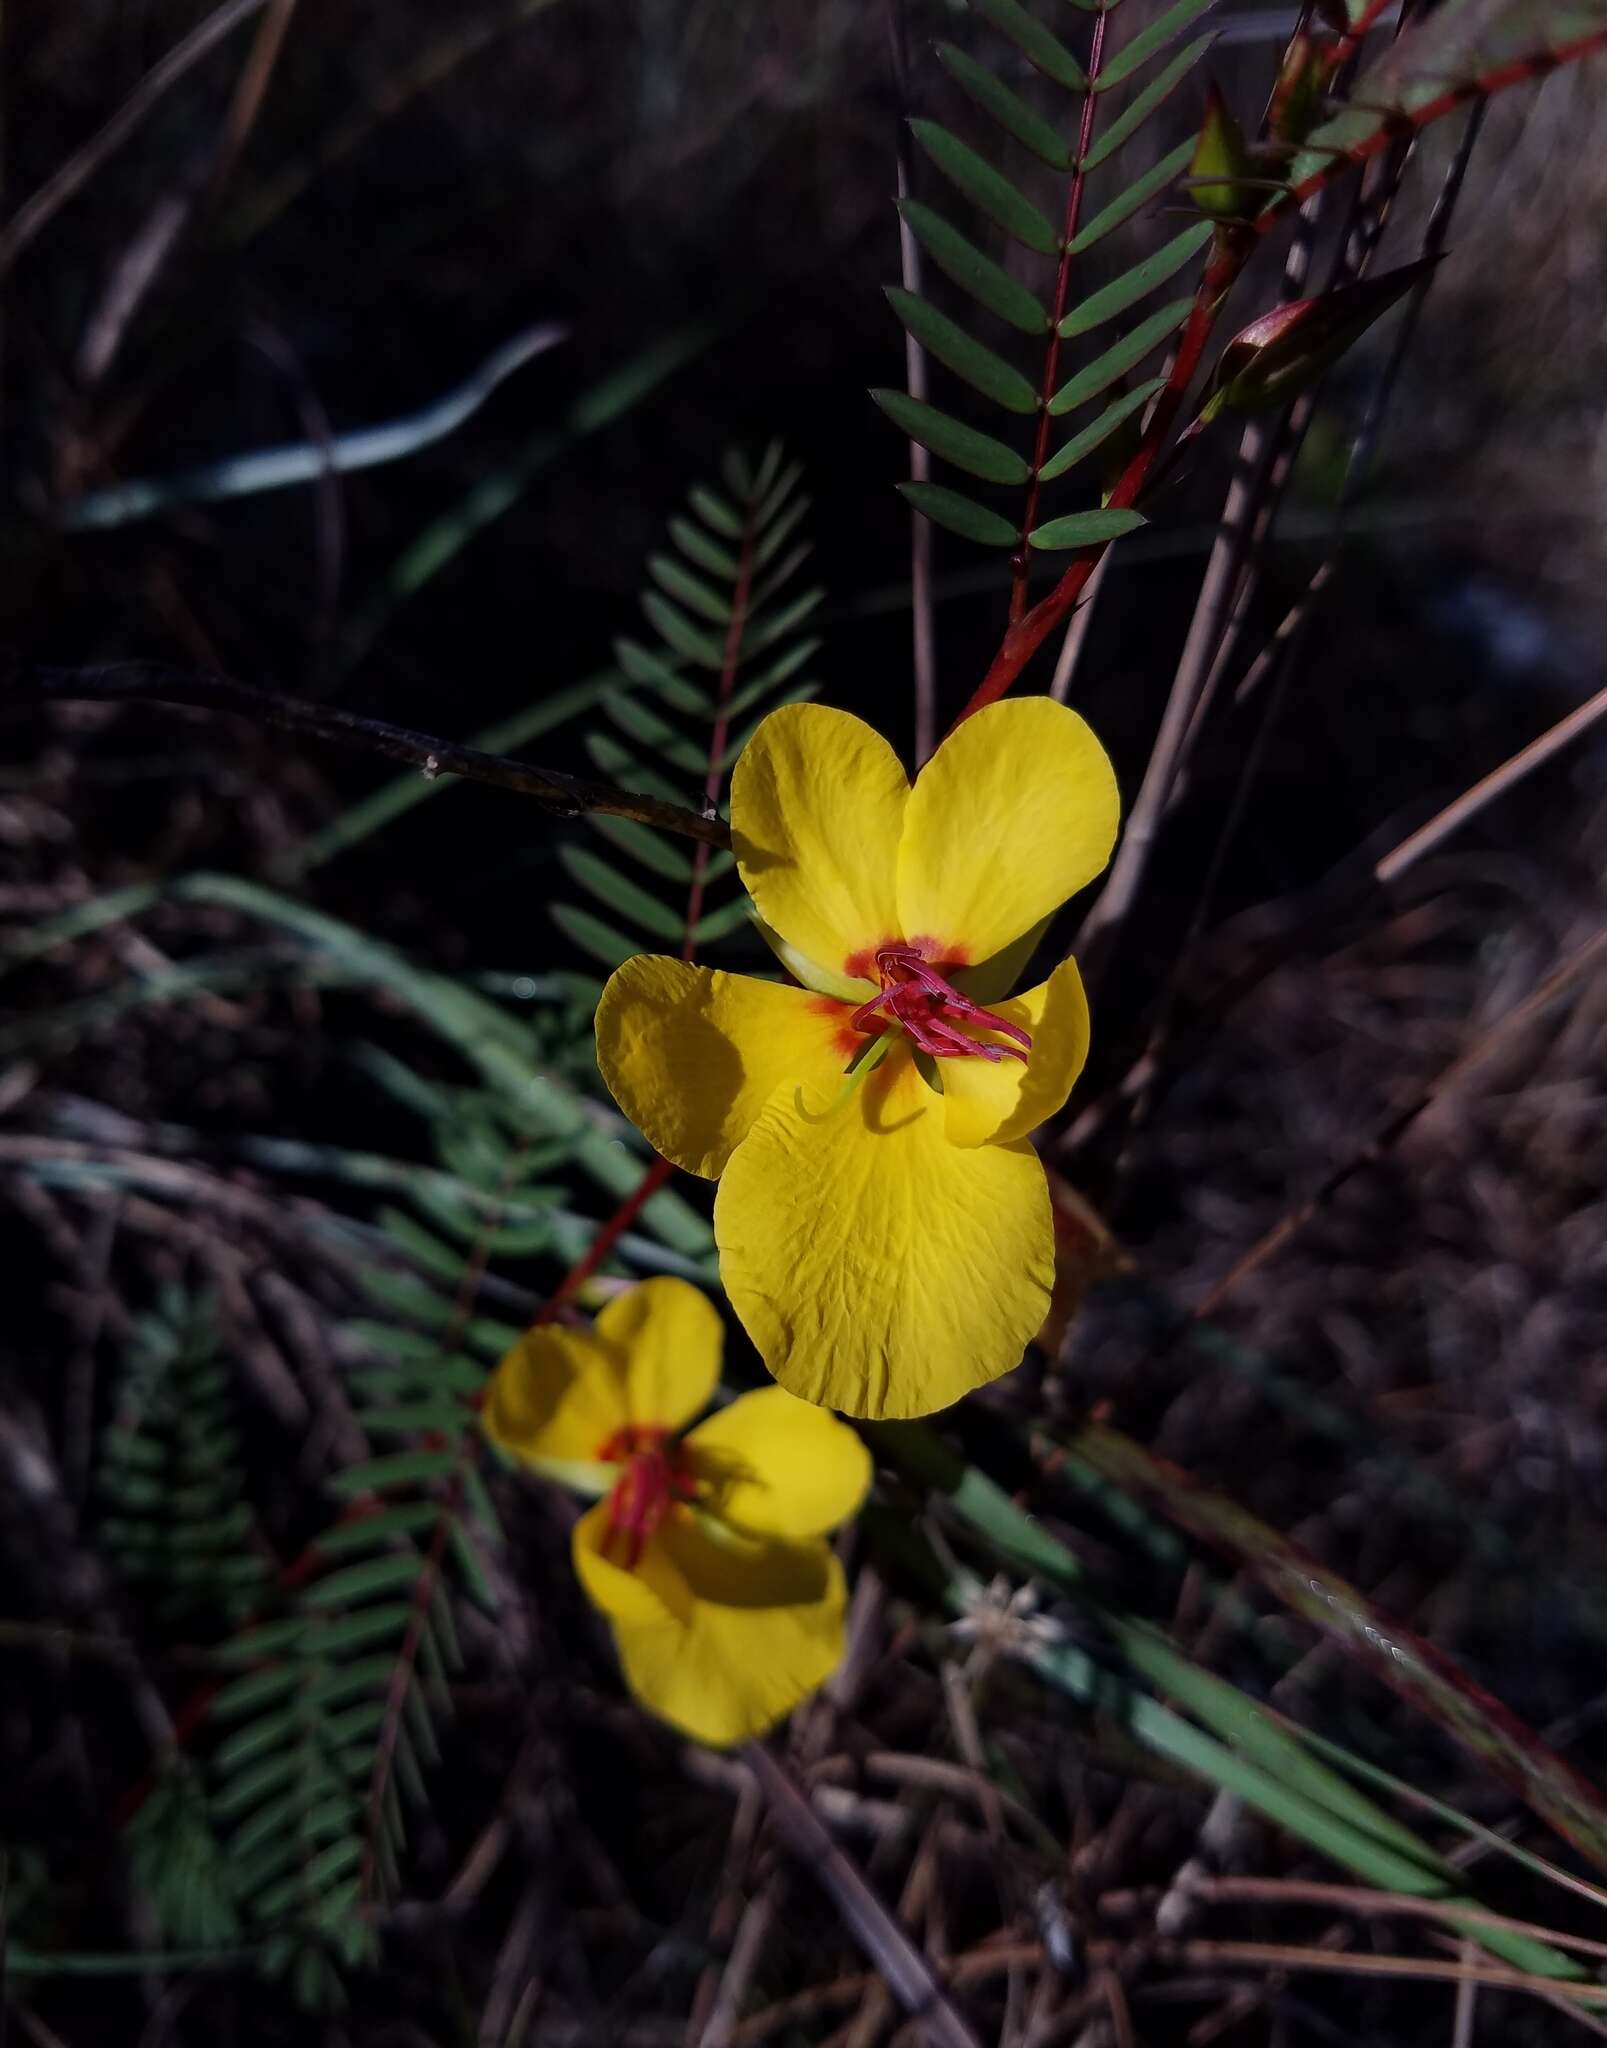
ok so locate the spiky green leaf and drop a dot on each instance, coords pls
(593, 936)
(627, 899)
(712, 509)
(677, 630)
(698, 596)
(696, 545)
(643, 844)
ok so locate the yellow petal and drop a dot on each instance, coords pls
(774, 1466)
(879, 1268)
(765, 1630)
(670, 1336)
(651, 1592)
(692, 1056)
(994, 1104)
(555, 1400)
(817, 806)
(1013, 813)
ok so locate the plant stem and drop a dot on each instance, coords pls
(568, 796)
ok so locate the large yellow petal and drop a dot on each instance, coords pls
(817, 807)
(765, 1630)
(652, 1592)
(555, 1400)
(771, 1465)
(996, 1103)
(879, 1268)
(670, 1336)
(1013, 813)
(692, 1056)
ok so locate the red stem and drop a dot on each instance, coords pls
(1021, 561)
(713, 779)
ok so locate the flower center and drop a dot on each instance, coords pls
(655, 1475)
(930, 1010)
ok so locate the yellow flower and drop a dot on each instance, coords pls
(707, 1555)
(887, 1240)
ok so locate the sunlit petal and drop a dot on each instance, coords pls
(764, 1631)
(817, 807)
(692, 1055)
(996, 1101)
(670, 1336)
(1015, 812)
(772, 1465)
(879, 1268)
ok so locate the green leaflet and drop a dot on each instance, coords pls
(960, 515)
(966, 357)
(1083, 529)
(1137, 283)
(1041, 49)
(1144, 45)
(971, 270)
(983, 185)
(1007, 108)
(1132, 118)
(964, 446)
(621, 895)
(1120, 357)
(1099, 430)
(1139, 193)
(604, 942)
(678, 582)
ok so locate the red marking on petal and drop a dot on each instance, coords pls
(925, 1006)
(844, 1038)
(656, 1476)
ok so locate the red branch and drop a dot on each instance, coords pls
(1229, 254)
(1021, 561)
(728, 670)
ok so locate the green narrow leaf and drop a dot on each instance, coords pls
(345, 1632)
(964, 446)
(649, 667)
(769, 465)
(971, 270)
(592, 936)
(696, 545)
(354, 1583)
(780, 624)
(773, 500)
(642, 843)
(1081, 529)
(982, 184)
(775, 535)
(1137, 283)
(1132, 118)
(620, 765)
(1094, 377)
(1099, 430)
(691, 590)
(730, 917)
(620, 894)
(255, 1689)
(272, 1638)
(406, 1520)
(1045, 52)
(678, 631)
(638, 721)
(1008, 108)
(1144, 45)
(783, 573)
(777, 673)
(405, 1468)
(1138, 194)
(967, 358)
(960, 515)
(714, 511)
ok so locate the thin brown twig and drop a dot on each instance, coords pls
(901, 1967)
(567, 796)
(924, 644)
(38, 211)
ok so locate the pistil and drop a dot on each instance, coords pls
(654, 1478)
(930, 1010)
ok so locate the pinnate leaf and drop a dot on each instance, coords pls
(973, 272)
(964, 355)
(955, 442)
(981, 183)
(1136, 283)
(1041, 49)
(1120, 357)
(1008, 108)
(1139, 193)
(1144, 45)
(1082, 529)
(960, 515)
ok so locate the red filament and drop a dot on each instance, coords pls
(655, 1476)
(930, 1010)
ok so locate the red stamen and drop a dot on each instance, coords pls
(928, 1009)
(655, 1477)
